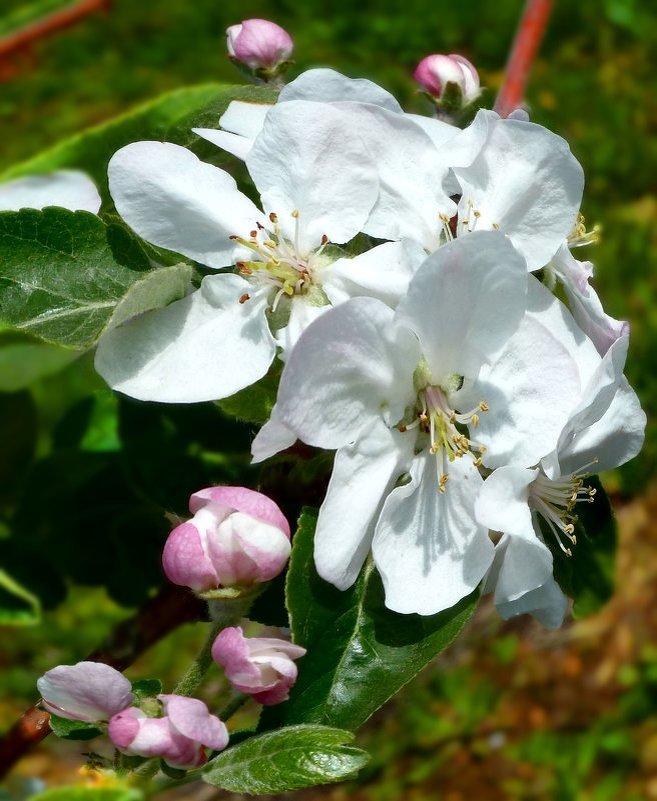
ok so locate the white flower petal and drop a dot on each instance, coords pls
(465, 301)
(363, 474)
(526, 181)
(328, 86)
(410, 170)
(524, 565)
(613, 440)
(305, 161)
(531, 389)
(601, 328)
(245, 119)
(174, 200)
(350, 368)
(595, 399)
(302, 314)
(427, 546)
(502, 504)
(239, 146)
(206, 346)
(547, 604)
(68, 189)
(272, 438)
(439, 132)
(382, 272)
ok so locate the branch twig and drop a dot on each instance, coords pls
(525, 45)
(51, 23)
(170, 608)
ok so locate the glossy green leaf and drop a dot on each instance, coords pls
(359, 652)
(66, 276)
(73, 729)
(287, 759)
(588, 575)
(170, 118)
(254, 404)
(18, 607)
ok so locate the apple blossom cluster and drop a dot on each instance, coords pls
(403, 271)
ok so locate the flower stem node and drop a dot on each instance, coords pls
(236, 540)
(260, 45)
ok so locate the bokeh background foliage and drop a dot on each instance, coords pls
(512, 712)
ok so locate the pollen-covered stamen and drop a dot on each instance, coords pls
(277, 261)
(579, 236)
(447, 441)
(555, 500)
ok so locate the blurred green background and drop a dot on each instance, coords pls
(513, 712)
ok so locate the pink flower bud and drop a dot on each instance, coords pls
(434, 72)
(88, 691)
(259, 44)
(180, 737)
(260, 666)
(237, 538)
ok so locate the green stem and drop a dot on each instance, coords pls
(199, 667)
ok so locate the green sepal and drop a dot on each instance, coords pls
(73, 729)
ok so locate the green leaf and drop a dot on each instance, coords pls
(254, 404)
(90, 794)
(66, 276)
(18, 607)
(73, 729)
(588, 575)
(24, 359)
(287, 759)
(359, 652)
(168, 118)
(146, 688)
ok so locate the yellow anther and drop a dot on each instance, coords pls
(477, 213)
(273, 218)
(295, 214)
(475, 420)
(495, 227)
(483, 406)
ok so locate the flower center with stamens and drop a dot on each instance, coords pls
(556, 499)
(277, 261)
(579, 236)
(450, 228)
(447, 429)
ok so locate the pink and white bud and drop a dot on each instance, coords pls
(180, 737)
(237, 538)
(88, 691)
(259, 44)
(260, 666)
(434, 72)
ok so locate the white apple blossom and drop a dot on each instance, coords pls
(604, 429)
(317, 187)
(386, 388)
(508, 174)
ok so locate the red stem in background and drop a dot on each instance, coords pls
(525, 45)
(56, 21)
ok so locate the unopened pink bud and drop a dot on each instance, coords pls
(434, 72)
(237, 538)
(260, 666)
(259, 43)
(88, 691)
(180, 737)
